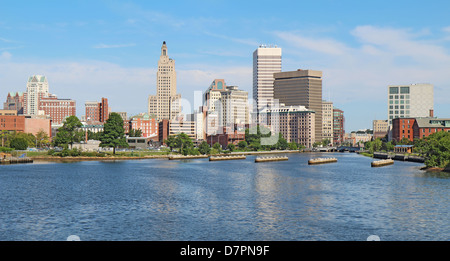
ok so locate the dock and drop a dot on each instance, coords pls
(269, 159)
(14, 160)
(321, 161)
(181, 157)
(231, 157)
(380, 163)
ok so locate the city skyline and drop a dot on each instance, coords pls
(89, 50)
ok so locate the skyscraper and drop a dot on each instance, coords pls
(304, 88)
(37, 87)
(166, 103)
(266, 62)
(409, 101)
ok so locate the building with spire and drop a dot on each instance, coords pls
(166, 103)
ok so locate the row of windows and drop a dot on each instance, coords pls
(397, 96)
(395, 90)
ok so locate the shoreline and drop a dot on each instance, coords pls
(109, 158)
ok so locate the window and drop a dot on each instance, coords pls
(404, 89)
(393, 90)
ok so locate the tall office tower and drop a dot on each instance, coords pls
(327, 120)
(37, 87)
(410, 101)
(338, 126)
(266, 62)
(304, 88)
(166, 103)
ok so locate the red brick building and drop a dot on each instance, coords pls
(403, 128)
(147, 124)
(57, 109)
(227, 137)
(97, 111)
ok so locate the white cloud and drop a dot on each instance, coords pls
(5, 56)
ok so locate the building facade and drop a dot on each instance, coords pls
(166, 103)
(37, 87)
(418, 128)
(97, 111)
(295, 123)
(146, 123)
(410, 101)
(327, 121)
(301, 88)
(266, 62)
(226, 106)
(14, 101)
(380, 128)
(57, 109)
(338, 126)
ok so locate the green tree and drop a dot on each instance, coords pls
(437, 149)
(242, 144)
(19, 143)
(68, 133)
(204, 148)
(217, 147)
(135, 133)
(282, 143)
(231, 147)
(113, 133)
(293, 145)
(184, 143)
(42, 138)
(171, 142)
(325, 142)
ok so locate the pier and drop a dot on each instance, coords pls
(269, 159)
(13, 160)
(380, 163)
(181, 157)
(321, 161)
(217, 158)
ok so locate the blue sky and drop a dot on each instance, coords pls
(93, 49)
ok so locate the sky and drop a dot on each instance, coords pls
(107, 48)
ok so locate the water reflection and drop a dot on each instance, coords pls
(159, 199)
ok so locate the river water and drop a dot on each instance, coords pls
(239, 200)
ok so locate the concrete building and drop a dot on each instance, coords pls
(266, 62)
(380, 128)
(410, 101)
(178, 126)
(358, 138)
(227, 106)
(14, 101)
(37, 87)
(295, 123)
(97, 111)
(166, 103)
(327, 121)
(338, 126)
(301, 88)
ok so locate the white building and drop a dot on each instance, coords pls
(166, 103)
(227, 107)
(410, 101)
(266, 62)
(37, 87)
